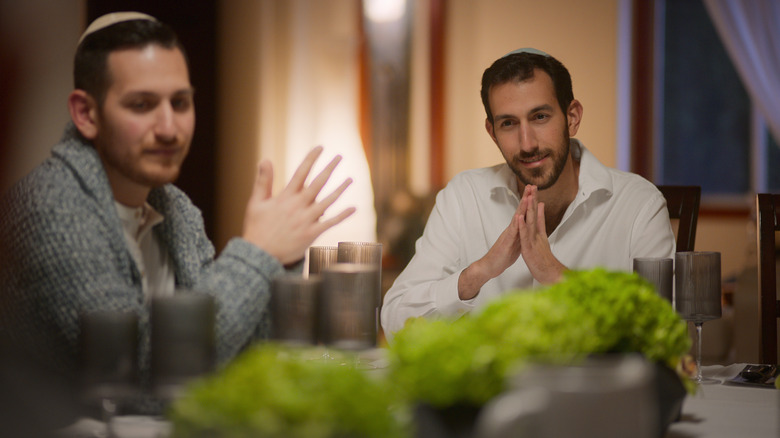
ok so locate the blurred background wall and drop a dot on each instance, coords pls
(288, 75)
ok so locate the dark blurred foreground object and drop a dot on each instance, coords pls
(109, 355)
(109, 361)
(294, 304)
(605, 397)
(369, 253)
(348, 318)
(183, 341)
(33, 401)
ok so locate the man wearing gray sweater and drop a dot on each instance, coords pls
(99, 225)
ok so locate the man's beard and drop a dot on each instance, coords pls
(536, 176)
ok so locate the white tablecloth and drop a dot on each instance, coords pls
(715, 411)
(723, 410)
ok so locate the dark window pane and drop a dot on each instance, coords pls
(706, 114)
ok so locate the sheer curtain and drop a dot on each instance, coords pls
(750, 30)
(309, 97)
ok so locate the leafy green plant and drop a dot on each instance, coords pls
(469, 360)
(273, 391)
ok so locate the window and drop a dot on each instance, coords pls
(706, 130)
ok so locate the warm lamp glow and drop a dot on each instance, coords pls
(383, 11)
(321, 109)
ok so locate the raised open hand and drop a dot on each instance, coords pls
(287, 224)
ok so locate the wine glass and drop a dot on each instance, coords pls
(697, 295)
(659, 271)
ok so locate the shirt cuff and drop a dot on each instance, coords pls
(447, 301)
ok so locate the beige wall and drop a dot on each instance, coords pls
(581, 34)
(733, 237)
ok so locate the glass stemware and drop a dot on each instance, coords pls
(659, 271)
(697, 295)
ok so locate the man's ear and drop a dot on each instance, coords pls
(491, 132)
(83, 112)
(574, 117)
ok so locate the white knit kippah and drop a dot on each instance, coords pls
(528, 50)
(113, 18)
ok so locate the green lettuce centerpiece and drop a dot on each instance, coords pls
(276, 391)
(469, 360)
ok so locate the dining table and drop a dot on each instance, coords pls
(726, 409)
(719, 410)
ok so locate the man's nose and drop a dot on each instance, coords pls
(165, 126)
(528, 141)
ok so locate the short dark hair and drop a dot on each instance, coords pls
(520, 67)
(90, 65)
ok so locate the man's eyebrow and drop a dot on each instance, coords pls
(182, 92)
(503, 116)
(545, 107)
(189, 91)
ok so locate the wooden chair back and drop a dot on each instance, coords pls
(767, 223)
(683, 205)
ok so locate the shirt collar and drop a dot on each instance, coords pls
(505, 183)
(593, 177)
(137, 221)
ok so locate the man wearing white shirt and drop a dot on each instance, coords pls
(551, 207)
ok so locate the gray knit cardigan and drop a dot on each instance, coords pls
(64, 253)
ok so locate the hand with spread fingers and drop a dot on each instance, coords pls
(535, 247)
(286, 224)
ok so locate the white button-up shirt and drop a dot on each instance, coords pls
(615, 217)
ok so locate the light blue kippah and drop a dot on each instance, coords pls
(528, 50)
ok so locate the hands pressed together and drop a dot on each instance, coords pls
(287, 224)
(525, 236)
